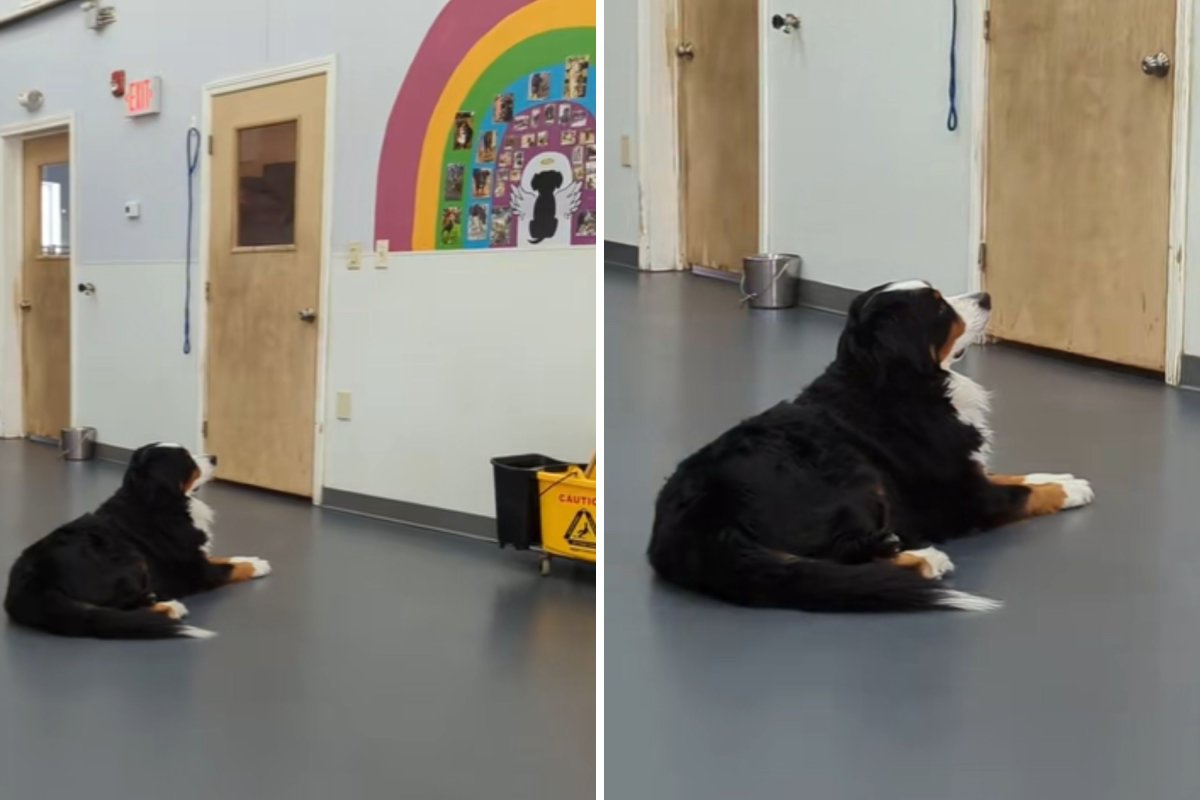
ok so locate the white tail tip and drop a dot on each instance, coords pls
(192, 632)
(963, 601)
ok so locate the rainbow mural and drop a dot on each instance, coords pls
(491, 142)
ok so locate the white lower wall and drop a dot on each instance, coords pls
(453, 358)
(132, 381)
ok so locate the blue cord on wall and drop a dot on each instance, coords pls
(193, 158)
(952, 117)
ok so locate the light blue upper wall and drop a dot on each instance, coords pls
(190, 45)
(621, 196)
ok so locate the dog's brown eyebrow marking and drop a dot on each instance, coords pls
(937, 295)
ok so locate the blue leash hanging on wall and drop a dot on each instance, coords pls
(952, 117)
(193, 158)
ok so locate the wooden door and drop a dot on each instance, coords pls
(1078, 176)
(44, 293)
(716, 52)
(264, 283)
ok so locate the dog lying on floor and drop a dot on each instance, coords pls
(116, 573)
(829, 502)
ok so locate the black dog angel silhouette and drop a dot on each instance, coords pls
(545, 200)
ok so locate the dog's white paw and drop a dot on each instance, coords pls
(1036, 478)
(937, 563)
(1079, 492)
(261, 565)
(172, 608)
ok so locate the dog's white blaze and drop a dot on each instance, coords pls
(964, 601)
(170, 444)
(905, 286)
(203, 518)
(972, 403)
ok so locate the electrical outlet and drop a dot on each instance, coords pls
(381, 253)
(343, 405)
(626, 151)
(354, 260)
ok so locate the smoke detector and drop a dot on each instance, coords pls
(98, 17)
(31, 100)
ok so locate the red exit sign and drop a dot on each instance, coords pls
(143, 97)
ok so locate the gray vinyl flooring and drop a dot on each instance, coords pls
(376, 661)
(1086, 685)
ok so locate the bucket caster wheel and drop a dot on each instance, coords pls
(544, 566)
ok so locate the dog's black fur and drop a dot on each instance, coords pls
(100, 575)
(803, 505)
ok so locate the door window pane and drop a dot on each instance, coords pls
(267, 185)
(56, 214)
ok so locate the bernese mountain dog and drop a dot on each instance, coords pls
(832, 501)
(117, 573)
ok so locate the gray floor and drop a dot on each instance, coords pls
(1086, 685)
(376, 662)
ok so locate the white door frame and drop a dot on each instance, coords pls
(1176, 257)
(12, 139)
(659, 171)
(326, 66)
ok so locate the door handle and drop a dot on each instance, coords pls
(308, 315)
(685, 51)
(25, 305)
(1157, 65)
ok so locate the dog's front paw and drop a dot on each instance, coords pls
(171, 608)
(929, 561)
(1079, 492)
(1036, 478)
(260, 566)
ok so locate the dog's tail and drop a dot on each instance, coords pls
(35, 604)
(735, 568)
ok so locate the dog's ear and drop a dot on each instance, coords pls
(885, 338)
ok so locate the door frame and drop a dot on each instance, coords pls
(326, 66)
(12, 148)
(1176, 257)
(659, 172)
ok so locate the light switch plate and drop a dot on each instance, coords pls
(354, 260)
(343, 405)
(626, 151)
(133, 209)
(381, 253)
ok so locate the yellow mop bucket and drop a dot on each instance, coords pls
(568, 512)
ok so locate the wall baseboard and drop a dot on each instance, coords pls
(110, 452)
(813, 294)
(414, 514)
(444, 520)
(623, 255)
(1189, 372)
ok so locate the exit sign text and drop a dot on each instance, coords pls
(143, 97)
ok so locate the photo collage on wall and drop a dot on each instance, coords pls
(522, 172)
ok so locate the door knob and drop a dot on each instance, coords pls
(1157, 65)
(785, 23)
(685, 51)
(25, 305)
(308, 315)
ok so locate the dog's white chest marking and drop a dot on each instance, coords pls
(202, 518)
(972, 403)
